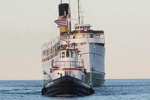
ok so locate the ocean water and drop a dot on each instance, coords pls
(113, 90)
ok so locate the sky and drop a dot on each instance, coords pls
(26, 24)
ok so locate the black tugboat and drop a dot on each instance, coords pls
(68, 74)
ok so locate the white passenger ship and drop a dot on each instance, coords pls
(73, 63)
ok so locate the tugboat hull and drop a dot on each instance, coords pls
(67, 86)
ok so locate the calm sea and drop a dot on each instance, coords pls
(114, 90)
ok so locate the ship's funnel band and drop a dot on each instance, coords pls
(63, 9)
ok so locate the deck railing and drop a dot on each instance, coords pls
(68, 64)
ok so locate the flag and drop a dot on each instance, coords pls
(61, 22)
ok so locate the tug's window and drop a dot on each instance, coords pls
(97, 36)
(60, 54)
(72, 54)
(74, 37)
(91, 35)
(63, 54)
(67, 53)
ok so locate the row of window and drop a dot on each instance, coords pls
(50, 57)
(64, 54)
(88, 36)
(67, 54)
(51, 50)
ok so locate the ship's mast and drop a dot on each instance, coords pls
(69, 18)
(79, 12)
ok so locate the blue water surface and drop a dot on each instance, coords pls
(133, 89)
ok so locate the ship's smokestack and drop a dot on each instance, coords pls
(63, 12)
(63, 9)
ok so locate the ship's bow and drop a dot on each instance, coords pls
(67, 86)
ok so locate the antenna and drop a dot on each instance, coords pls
(61, 1)
(78, 12)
